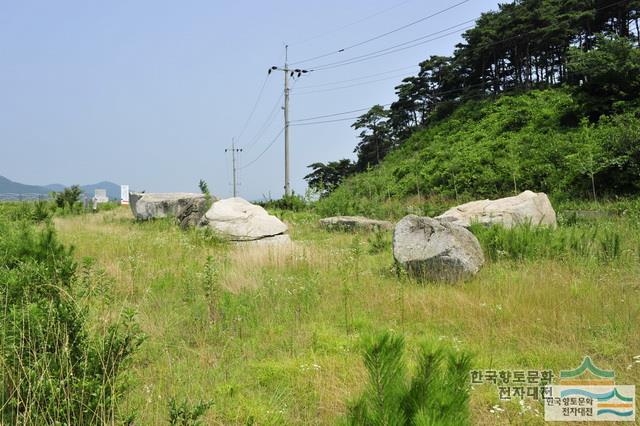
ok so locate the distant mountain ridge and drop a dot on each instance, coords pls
(17, 189)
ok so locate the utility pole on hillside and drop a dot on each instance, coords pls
(234, 151)
(287, 73)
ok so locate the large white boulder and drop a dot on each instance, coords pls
(187, 207)
(239, 220)
(528, 207)
(435, 251)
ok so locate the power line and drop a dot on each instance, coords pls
(390, 50)
(255, 105)
(366, 18)
(396, 48)
(364, 77)
(267, 123)
(309, 120)
(446, 92)
(383, 34)
(325, 121)
(333, 89)
(265, 150)
(336, 114)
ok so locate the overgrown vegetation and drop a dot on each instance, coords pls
(291, 202)
(276, 336)
(598, 243)
(68, 198)
(541, 95)
(437, 394)
(496, 148)
(53, 369)
(183, 414)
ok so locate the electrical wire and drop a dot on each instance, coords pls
(366, 18)
(336, 114)
(265, 150)
(364, 77)
(383, 34)
(309, 120)
(333, 89)
(446, 92)
(394, 49)
(389, 50)
(267, 123)
(325, 121)
(255, 105)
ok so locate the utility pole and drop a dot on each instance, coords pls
(287, 73)
(287, 182)
(233, 151)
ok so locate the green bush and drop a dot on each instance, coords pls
(52, 369)
(288, 202)
(183, 414)
(527, 242)
(30, 211)
(438, 393)
(68, 197)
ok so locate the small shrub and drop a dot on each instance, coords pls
(41, 211)
(212, 289)
(609, 246)
(292, 202)
(204, 188)
(52, 369)
(184, 414)
(437, 394)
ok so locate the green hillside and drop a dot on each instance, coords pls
(491, 148)
(540, 95)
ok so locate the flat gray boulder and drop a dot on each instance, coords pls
(184, 206)
(528, 207)
(434, 251)
(352, 223)
(238, 220)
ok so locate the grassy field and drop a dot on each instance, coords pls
(274, 336)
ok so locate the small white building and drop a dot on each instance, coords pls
(100, 196)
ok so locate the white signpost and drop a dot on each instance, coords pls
(124, 195)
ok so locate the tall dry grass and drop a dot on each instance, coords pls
(286, 348)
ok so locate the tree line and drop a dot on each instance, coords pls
(589, 46)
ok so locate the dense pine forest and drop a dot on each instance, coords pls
(541, 95)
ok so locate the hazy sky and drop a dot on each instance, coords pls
(150, 92)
